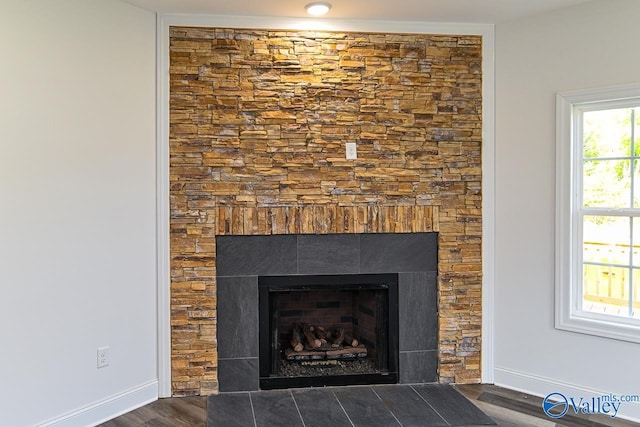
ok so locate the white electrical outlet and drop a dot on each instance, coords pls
(352, 151)
(103, 356)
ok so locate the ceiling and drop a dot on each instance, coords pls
(459, 11)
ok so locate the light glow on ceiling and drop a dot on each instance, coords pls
(318, 8)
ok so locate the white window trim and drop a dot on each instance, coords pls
(569, 315)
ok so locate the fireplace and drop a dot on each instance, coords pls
(257, 149)
(319, 330)
(379, 289)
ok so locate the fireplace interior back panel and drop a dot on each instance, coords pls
(366, 302)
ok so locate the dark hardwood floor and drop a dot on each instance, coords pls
(513, 408)
(506, 407)
(170, 412)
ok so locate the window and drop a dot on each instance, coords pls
(598, 212)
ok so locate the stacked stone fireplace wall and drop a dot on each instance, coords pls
(258, 125)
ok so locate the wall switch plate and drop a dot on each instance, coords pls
(103, 356)
(352, 151)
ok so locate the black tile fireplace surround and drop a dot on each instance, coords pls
(242, 260)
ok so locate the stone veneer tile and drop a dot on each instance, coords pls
(258, 120)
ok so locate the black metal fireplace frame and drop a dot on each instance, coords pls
(387, 328)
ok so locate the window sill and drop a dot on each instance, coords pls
(622, 329)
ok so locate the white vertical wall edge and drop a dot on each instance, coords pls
(488, 206)
(488, 153)
(563, 209)
(162, 226)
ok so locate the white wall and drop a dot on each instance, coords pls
(77, 210)
(591, 45)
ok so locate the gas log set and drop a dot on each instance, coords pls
(315, 343)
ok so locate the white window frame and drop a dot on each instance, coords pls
(569, 314)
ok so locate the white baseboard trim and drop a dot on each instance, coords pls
(542, 386)
(109, 408)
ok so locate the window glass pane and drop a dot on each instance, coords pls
(636, 242)
(606, 290)
(607, 133)
(636, 183)
(636, 130)
(636, 293)
(607, 255)
(606, 239)
(607, 183)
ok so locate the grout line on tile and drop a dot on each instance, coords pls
(253, 412)
(430, 405)
(343, 410)
(388, 409)
(297, 409)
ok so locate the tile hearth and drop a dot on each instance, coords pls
(372, 406)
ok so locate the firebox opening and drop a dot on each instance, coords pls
(328, 330)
